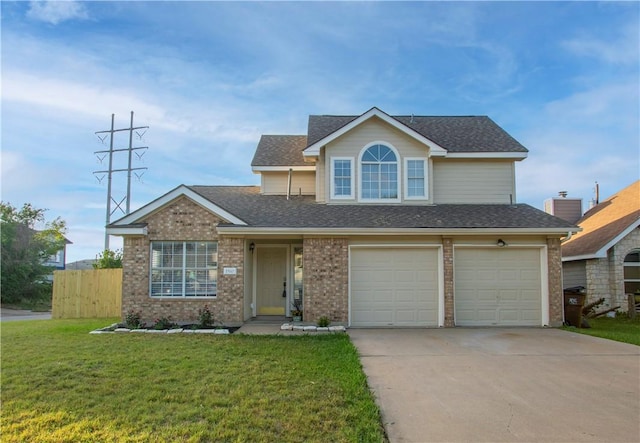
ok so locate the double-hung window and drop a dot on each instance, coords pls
(415, 178)
(184, 269)
(379, 174)
(342, 177)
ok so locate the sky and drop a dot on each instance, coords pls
(209, 78)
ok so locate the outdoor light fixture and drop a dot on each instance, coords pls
(501, 243)
(252, 246)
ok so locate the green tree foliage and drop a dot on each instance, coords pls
(24, 251)
(109, 259)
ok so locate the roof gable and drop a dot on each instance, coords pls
(129, 223)
(314, 149)
(605, 225)
(455, 135)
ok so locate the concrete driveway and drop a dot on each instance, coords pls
(502, 385)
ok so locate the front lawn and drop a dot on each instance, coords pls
(61, 384)
(620, 328)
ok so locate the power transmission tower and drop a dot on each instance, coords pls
(101, 155)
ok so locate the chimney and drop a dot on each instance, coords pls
(568, 209)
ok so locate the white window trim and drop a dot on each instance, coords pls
(183, 296)
(351, 196)
(399, 171)
(425, 161)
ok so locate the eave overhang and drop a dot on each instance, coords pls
(251, 230)
(260, 169)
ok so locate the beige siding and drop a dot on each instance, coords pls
(275, 183)
(574, 273)
(464, 181)
(351, 144)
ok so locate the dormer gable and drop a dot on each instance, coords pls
(336, 126)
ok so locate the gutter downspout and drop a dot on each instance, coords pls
(289, 183)
(567, 238)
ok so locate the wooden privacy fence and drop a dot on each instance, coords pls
(92, 293)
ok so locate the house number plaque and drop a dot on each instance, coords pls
(230, 271)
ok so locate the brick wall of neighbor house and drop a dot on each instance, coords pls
(605, 276)
(556, 295)
(182, 220)
(326, 273)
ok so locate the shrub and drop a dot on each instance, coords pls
(164, 323)
(323, 322)
(205, 318)
(133, 320)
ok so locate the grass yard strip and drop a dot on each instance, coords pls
(59, 383)
(620, 328)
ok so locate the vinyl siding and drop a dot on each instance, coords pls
(351, 143)
(476, 181)
(574, 273)
(275, 183)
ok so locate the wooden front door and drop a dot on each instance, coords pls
(271, 279)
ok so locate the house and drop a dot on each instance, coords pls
(604, 257)
(371, 220)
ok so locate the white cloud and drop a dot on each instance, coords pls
(623, 49)
(58, 11)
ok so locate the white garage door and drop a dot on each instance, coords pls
(394, 287)
(497, 287)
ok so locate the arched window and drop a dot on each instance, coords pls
(632, 272)
(379, 173)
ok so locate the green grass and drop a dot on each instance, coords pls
(619, 328)
(61, 384)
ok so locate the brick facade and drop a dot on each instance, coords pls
(181, 220)
(449, 307)
(556, 297)
(326, 274)
(326, 271)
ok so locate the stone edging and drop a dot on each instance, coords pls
(113, 329)
(290, 327)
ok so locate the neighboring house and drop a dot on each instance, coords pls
(371, 220)
(604, 257)
(81, 265)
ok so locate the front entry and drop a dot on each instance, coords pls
(271, 280)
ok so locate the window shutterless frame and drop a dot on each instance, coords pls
(379, 174)
(342, 179)
(416, 178)
(184, 269)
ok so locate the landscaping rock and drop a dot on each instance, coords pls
(157, 331)
(310, 328)
(122, 330)
(286, 327)
(322, 329)
(139, 330)
(174, 331)
(337, 328)
(221, 331)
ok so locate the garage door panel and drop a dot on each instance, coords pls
(394, 287)
(507, 294)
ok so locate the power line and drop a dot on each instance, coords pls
(101, 155)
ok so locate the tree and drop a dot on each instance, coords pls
(25, 249)
(108, 259)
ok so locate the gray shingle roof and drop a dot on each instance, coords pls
(453, 133)
(303, 212)
(280, 150)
